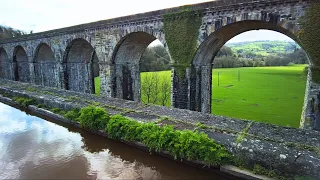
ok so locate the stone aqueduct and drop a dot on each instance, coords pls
(71, 57)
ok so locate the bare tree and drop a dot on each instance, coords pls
(146, 87)
(155, 89)
(165, 91)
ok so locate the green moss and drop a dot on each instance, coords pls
(199, 125)
(243, 133)
(31, 89)
(258, 169)
(182, 31)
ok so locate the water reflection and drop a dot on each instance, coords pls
(32, 148)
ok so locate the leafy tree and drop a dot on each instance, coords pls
(155, 58)
(225, 51)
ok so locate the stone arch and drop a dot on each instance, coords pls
(125, 72)
(45, 66)
(21, 66)
(201, 66)
(80, 64)
(4, 64)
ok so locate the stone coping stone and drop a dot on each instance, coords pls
(194, 117)
(141, 116)
(291, 160)
(241, 173)
(285, 134)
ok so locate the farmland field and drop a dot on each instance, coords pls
(267, 94)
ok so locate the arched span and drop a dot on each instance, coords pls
(201, 66)
(212, 44)
(80, 65)
(21, 65)
(125, 65)
(45, 66)
(4, 64)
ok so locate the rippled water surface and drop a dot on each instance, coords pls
(33, 148)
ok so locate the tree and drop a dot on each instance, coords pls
(224, 51)
(165, 91)
(155, 58)
(8, 32)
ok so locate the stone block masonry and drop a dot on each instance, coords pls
(288, 151)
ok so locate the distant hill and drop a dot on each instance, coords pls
(263, 48)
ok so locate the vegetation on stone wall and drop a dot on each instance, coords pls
(182, 30)
(310, 37)
(185, 144)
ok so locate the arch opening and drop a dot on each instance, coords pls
(81, 67)
(125, 65)
(205, 95)
(21, 65)
(4, 64)
(45, 66)
(155, 67)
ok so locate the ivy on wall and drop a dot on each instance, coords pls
(181, 31)
(310, 37)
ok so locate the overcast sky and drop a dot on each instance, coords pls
(43, 15)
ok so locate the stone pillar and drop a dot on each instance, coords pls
(32, 73)
(90, 87)
(200, 88)
(63, 75)
(206, 88)
(181, 87)
(317, 115)
(105, 79)
(118, 91)
(135, 75)
(11, 67)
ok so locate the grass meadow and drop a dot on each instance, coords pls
(266, 94)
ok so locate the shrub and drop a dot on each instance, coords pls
(73, 114)
(120, 127)
(93, 118)
(24, 101)
(181, 144)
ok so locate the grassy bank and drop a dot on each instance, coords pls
(266, 94)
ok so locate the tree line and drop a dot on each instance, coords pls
(8, 32)
(156, 58)
(226, 58)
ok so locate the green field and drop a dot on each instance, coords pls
(267, 94)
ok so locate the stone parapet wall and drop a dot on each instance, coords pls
(288, 151)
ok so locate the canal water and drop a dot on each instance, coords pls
(34, 148)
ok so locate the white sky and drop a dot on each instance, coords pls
(43, 15)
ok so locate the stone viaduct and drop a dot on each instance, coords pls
(71, 57)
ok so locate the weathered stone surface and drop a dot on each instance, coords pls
(291, 152)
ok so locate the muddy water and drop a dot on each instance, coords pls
(33, 148)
